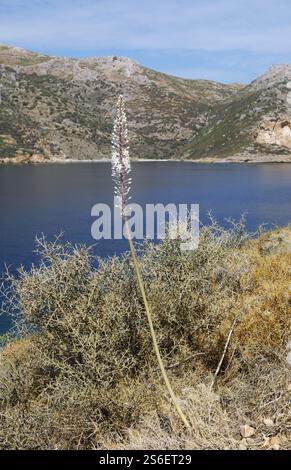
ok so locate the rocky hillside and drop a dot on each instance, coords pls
(62, 108)
(254, 123)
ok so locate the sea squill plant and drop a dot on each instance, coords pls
(120, 172)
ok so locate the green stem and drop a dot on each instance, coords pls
(153, 334)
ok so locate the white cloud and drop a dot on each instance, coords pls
(250, 25)
(224, 40)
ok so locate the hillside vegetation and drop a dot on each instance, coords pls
(62, 108)
(84, 374)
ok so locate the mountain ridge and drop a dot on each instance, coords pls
(59, 108)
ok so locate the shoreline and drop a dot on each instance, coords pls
(234, 159)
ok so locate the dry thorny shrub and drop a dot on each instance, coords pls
(85, 376)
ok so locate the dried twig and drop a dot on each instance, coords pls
(224, 352)
(189, 358)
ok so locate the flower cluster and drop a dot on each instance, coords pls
(120, 156)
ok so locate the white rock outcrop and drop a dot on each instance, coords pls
(275, 133)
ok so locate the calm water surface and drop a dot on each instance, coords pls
(53, 198)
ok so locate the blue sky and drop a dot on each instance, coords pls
(223, 40)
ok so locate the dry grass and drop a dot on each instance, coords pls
(86, 376)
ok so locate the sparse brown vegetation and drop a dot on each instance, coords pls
(85, 376)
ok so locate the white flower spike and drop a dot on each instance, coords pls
(120, 156)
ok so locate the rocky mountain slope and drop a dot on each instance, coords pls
(62, 108)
